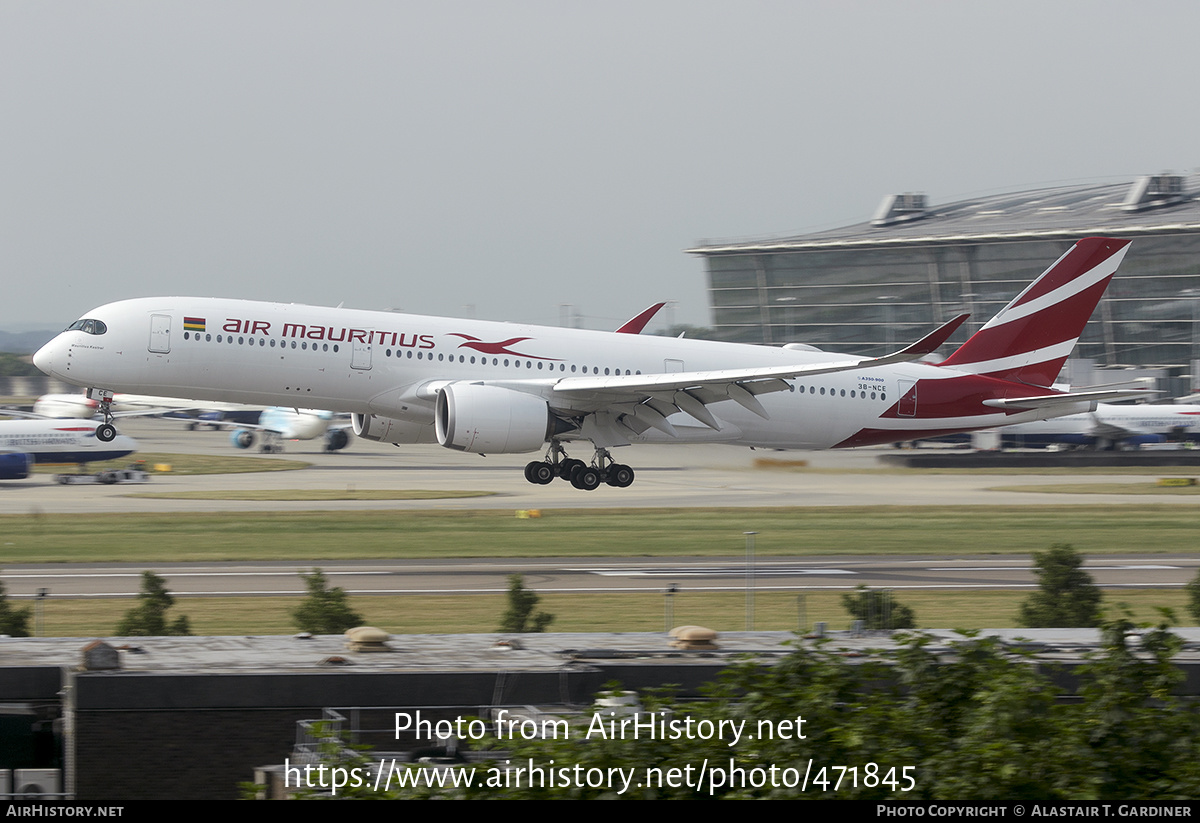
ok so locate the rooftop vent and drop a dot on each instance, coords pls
(1154, 191)
(899, 208)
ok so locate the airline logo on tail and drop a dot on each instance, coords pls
(1031, 337)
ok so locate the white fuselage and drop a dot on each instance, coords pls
(391, 365)
(1112, 423)
(61, 441)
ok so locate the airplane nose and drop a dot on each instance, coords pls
(43, 358)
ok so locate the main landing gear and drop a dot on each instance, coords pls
(106, 431)
(582, 476)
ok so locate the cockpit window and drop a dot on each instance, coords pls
(88, 326)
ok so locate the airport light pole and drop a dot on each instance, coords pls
(38, 626)
(750, 580)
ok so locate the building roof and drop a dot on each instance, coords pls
(1158, 204)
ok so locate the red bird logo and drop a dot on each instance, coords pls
(496, 348)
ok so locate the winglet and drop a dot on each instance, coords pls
(930, 342)
(638, 323)
(926, 345)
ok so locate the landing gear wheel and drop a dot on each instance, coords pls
(568, 467)
(539, 472)
(619, 475)
(586, 479)
(105, 432)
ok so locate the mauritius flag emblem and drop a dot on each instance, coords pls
(193, 323)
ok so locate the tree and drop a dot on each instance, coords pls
(877, 609)
(930, 720)
(1066, 596)
(13, 622)
(149, 617)
(519, 616)
(324, 610)
(1193, 594)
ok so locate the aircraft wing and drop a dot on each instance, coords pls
(19, 413)
(135, 413)
(652, 397)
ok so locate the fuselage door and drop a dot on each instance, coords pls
(672, 366)
(360, 353)
(907, 406)
(160, 333)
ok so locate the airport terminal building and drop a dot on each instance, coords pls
(875, 286)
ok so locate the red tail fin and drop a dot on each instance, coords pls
(1030, 338)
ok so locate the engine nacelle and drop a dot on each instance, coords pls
(391, 430)
(491, 420)
(241, 438)
(15, 465)
(336, 439)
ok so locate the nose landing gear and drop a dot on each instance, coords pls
(106, 431)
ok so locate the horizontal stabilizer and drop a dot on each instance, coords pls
(1044, 401)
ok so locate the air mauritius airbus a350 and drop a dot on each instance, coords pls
(493, 388)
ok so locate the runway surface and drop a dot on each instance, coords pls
(677, 477)
(667, 476)
(459, 576)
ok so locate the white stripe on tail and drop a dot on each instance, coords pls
(1030, 338)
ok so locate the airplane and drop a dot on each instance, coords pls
(1110, 426)
(496, 388)
(276, 424)
(24, 442)
(81, 406)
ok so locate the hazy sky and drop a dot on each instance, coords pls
(503, 158)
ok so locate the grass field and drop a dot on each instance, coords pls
(1103, 488)
(313, 494)
(641, 612)
(39, 537)
(188, 464)
(1062, 471)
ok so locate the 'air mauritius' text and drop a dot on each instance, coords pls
(334, 334)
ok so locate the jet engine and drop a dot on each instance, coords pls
(14, 465)
(391, 430)
(242, 438)
(486, 419)
(336, 439)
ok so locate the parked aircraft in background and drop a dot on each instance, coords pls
(277, 424)
(1109, 426)
(24, 442)
(274, 424)
(133, 405)
(495, 388)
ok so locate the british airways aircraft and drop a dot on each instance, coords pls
(25, 442)
(490, 387)
(1110, 426)
(277, 424)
